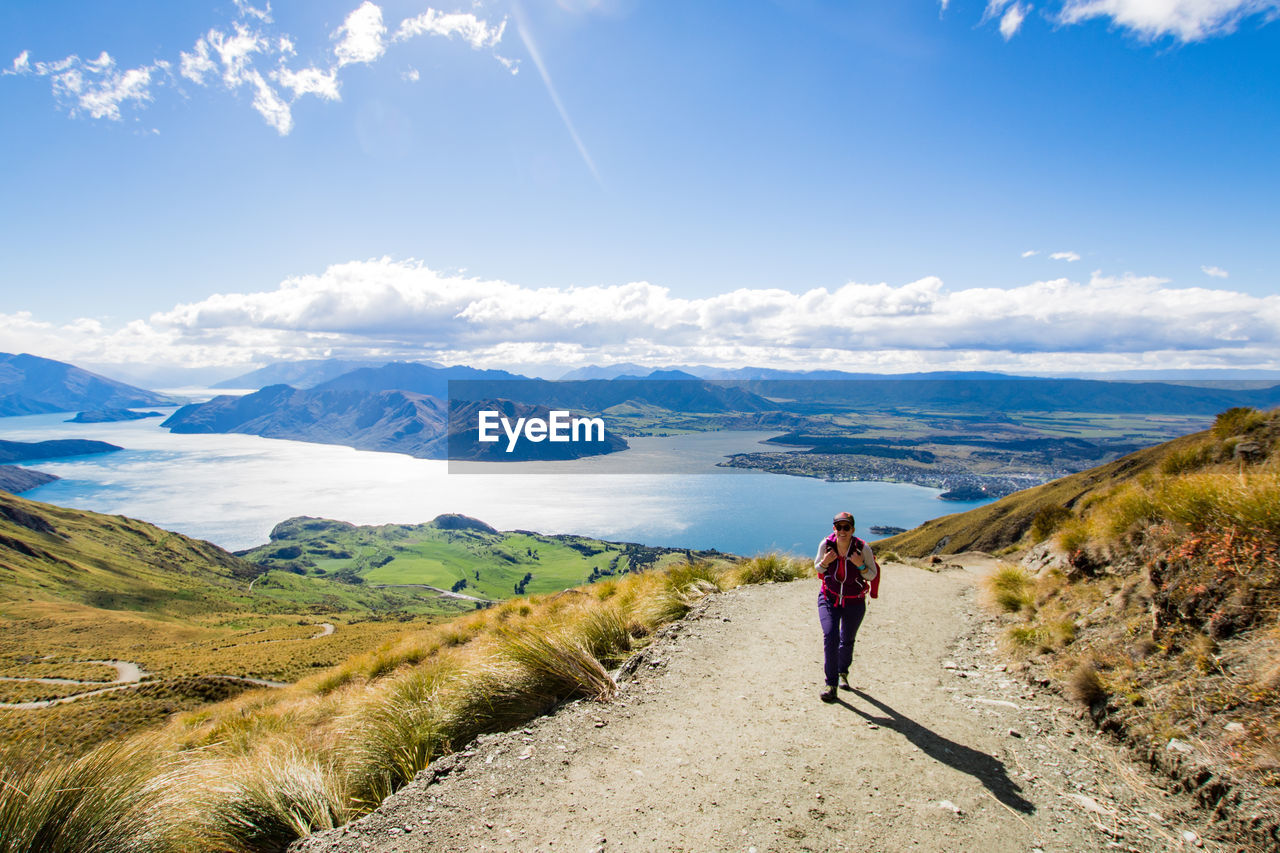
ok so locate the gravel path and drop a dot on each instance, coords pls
(719, 742)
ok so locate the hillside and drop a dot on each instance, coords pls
(393, 421)
(51, 553)
(696, 733)
(453, 552)
(32, 385)
(15, 479)
(1004, 523)
(78, 587)
(58, 448)
(1149, 591)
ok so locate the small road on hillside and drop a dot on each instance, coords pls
(129, 675)
(718, 742)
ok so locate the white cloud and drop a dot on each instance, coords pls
(409, 310)
(196, 65)
(1012, 19)
(229, 56)
(474, 31)
(412, 75)
(247, 11)
(21, 64)
(309, 81)
(1184, 20)
(94, 86)
(403, 309)
(1215, 272)
(1030, 253)
(270, 105)
(1070, 257)
(361, 36)
(234, 54)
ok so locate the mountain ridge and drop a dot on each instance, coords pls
(31, 385)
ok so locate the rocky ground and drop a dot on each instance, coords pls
(717, 741)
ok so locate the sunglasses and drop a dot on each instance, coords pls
(843, 526)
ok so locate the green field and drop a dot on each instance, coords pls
(454, 553)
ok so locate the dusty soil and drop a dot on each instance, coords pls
(718, 741)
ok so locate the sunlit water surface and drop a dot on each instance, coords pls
(232, 489)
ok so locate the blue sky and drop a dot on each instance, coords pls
(884, 185)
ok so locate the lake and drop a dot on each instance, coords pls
(232, 489)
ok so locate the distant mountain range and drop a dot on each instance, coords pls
(400, 406)
(396, 421)
(1006, 394)
(300, 374)
(30, 385)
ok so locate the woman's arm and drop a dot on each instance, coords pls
(868, 567)
(821, 562)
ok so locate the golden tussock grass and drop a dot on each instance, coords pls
(1085, 684)
(270, 766)
(1012, 589)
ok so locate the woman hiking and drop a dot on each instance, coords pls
(848, 570)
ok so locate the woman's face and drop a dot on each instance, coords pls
(844, 531)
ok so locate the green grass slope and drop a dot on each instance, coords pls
(113, 562)
(451, 552)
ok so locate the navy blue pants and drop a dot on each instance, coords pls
(839, 631)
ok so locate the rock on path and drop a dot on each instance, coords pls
(719, 742)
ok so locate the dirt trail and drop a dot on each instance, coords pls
(130, 675)
(719, 742)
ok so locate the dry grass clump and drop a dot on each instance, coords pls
(1187, 459)
(558, 663)
(609, 634)
(1073, 536)
(1238, 420)
(265, 800)
(773, 567)
(1012, 588)
(677, 590)
(398, 732)
(1047, 520)
(1085, 685)
(114, 799)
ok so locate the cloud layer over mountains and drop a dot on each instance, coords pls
(406, 310)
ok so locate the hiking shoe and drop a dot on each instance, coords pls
(844, 681)
(828, 695)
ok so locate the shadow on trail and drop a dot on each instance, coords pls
(983, 767)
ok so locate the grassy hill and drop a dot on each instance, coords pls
(257, 771)
(80, 587)
(452, 552)
(1149, 590)
(1006, 522)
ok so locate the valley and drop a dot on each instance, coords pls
(201, 624)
